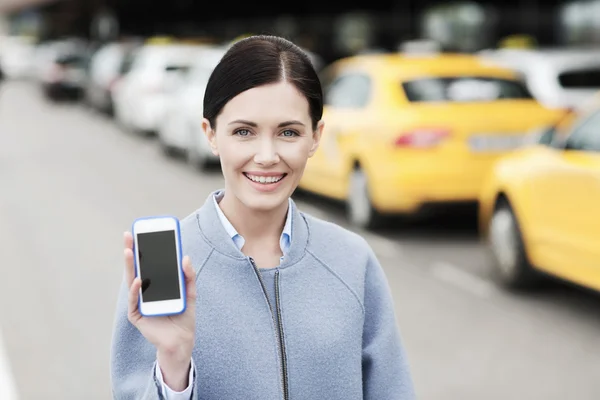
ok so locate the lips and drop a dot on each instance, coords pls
(265, 179)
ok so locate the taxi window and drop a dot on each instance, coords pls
(586, 137)
(580, 79)
(349, 91)
(464, 89)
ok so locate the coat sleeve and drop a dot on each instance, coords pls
(133, 359)
(386, 374)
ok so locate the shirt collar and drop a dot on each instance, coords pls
(286, 235)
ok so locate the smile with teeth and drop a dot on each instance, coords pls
(264, 179)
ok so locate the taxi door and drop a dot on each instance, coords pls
(567, 198)
(345, 120)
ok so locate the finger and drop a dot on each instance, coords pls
(190, 277)
(128, 240)
(129, 267)
(132, 306)
(128, 253)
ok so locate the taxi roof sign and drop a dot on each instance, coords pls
(159, 40)
(518, 42)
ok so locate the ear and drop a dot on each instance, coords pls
(211, 135)
(316, 138)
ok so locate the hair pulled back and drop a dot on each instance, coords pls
(257, 61)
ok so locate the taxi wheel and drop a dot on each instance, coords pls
(360, 210)
(512, 269)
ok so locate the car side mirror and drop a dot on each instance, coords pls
(547, 136)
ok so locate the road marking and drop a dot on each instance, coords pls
(458, 277)
(8, 389)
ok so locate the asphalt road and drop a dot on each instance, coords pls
(71, 182)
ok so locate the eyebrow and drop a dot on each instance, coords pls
(254, 124)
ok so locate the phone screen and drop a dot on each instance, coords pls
(158, 266)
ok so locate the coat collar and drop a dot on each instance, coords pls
(213, 232)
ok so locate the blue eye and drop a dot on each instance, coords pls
(289, 133)
(242, 132)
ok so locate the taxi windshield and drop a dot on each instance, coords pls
(464, 89)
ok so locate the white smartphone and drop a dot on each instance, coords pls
(158, 262)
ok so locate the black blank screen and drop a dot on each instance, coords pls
(158, 266)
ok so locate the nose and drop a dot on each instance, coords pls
(266, 153)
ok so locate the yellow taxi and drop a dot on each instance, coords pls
(403, 131)
(540, 206)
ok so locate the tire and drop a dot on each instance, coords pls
(167, 149)
(512, 269)
(360, 210)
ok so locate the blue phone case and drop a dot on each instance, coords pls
(179, 262)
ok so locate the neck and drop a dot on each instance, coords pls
(254, 225)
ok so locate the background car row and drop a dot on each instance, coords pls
(514, 132)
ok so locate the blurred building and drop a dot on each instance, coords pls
(331, 30)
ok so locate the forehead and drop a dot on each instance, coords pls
(268, 103)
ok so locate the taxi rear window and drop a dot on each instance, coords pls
(580, 79)
(464, 89)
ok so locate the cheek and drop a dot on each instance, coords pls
(295, 155)
(233, 155)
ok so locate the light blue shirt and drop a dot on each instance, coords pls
(284, 241)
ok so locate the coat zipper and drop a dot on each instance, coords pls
(279, 326)
(281, 338)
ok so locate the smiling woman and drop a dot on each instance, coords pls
(263, 132)
(282, 305)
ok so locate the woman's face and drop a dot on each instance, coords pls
(264, 138)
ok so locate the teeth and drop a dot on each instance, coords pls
(265, 179)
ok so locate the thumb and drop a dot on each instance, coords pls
(133, 312)
(190, 278)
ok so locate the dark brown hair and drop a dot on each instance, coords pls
(261, 60)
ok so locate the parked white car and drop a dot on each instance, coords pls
(47, 53)
(105, 69)
(141, 97)
(557, 78)
(181, 131)
(17, 57)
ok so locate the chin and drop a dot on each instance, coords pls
(264, 197)
(262, 202)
